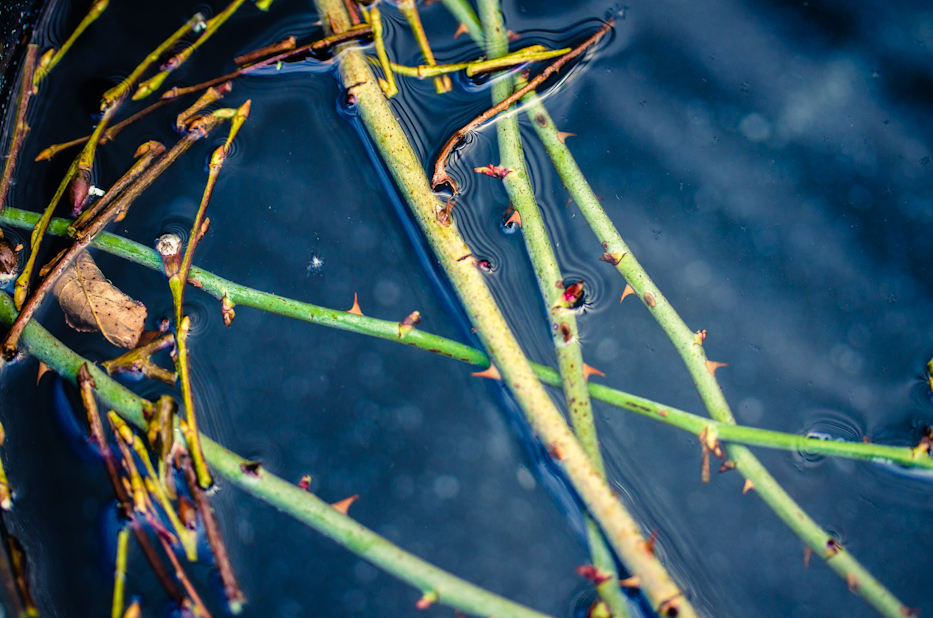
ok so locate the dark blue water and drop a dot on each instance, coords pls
(767, 162)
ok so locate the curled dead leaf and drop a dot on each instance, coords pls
(91, 303)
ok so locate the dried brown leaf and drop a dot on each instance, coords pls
(91, 303)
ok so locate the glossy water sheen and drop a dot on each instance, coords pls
(767, 162)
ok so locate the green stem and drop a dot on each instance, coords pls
(388, 85)
(531, 54)
(562, 320)
(690, 347)
(454, 255)
(46, 67)
(119, 576)
(300, 504)
(237, 294)
(409, 9)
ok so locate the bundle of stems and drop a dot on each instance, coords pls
(609, 526)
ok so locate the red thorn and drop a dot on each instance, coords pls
(650, 543)
(514, 218)
(492, 373)
(43, 369)
(589, 371)
(594, 574)
(343, 506)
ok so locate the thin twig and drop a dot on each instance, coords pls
(409, 9)
(269, 50)
(441, 177)
(20, 128)
(210, 27)
(52, 57)
(177, 282)
(235, 597)
(119, 575)
(87, 385)
(78, 174)
(356, 32)
(535, 53)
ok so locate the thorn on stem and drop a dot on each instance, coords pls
(594, 574)
(563, 135)
(511, 218)
(492, 373)
(355, 309)
(630, 582)
(853, 582)
(650, 543)
(343, 506)
(43, 369)
(749, 485)
(461, 29)
(712, 366)
(589, 371)
(807, 552)
(427, 600)
(626, 292)
(556, 451)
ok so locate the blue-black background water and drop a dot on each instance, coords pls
(769, 164)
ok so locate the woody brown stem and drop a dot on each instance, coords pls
(20, 129)
(87, 386)
(235, 597)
